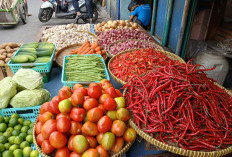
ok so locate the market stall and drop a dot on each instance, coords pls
(106, 88)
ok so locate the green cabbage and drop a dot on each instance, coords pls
(29, 98)
(7, 91)
(29, 79)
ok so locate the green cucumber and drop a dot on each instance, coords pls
(32, 45)
(44, 53)
(44, 49)
(19, 59)
(30, 58)
(27, 53)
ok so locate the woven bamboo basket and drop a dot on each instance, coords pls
(168, 54)
(109, 54)
(177, 150)
(119, 154)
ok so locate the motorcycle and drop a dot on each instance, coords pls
(65, 9)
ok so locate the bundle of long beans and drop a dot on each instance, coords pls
(85, 68)
(178, 104)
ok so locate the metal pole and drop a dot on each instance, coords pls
(153, 17)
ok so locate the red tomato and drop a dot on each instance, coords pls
(38, 127)
(92, 141)
(64, 93)
(103, 97)
(102, 108)
(63, 124)
(106, 85)
(110, 104)
(112, 92)
(102, 152)
(99, 138)
(48, 127)
(77, 99)
(44, 107)
(57, 139)
(39, 117)
(94, 114)
(94, 84)
(74, 154)
(46, 147)
(53, 107)
(118, 127)
(90, 153)
(39, 139)
(75, 128)
(104, 81)
(77, 114)
(104, 124)
(55, 98)
(129, 135)
(66, 115)
(86, 97)
(76, 86)
(118, 145)
(63, 152)
(46, 116)
(83, 90)
(89, 129)
(90, 103)
(70, 143)
(119, 94)
(95, 92)
(80, 143)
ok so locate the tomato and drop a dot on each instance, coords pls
(66, 115)
(86, 97)
(82, 90)
(63, 152)
(53, 107)
(112, 115)
(103, 97)
(77, 99)
(89, 129)
(92, 141)
(70, 143)
(119, 94)
(90, 153)
(118, 127)
(94, 84)
(80, 143)
(48, 127)
(76, 86)
(46, 116)
(106, 85)
(46, 147)
(94, 114)
(78, 114)
(90, 103)
(38, 127)
(44, 107)
(104, 124)
(123, 114)
(108, 140)
(39, 139)
(99, 138)
(104, 81)
(64, 93)
(110, 104)
(118, 145)
(95, 92)
(63, 124)
(57, 139)
(56, 98)
(121, 102)
(102, 152)
(74, 154)
(102, 108)
(112, 92)
(65, 106)
(129, 135)
(75, 128)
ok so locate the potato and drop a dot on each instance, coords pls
(2, 62)
(2, 57)
(9, 55)
(2, 51)
(4, 54)
(8, 49)
(4, 45)
(12, 45)
(7, 60)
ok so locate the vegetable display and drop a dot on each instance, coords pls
(88, 48)
(138, 62)
(179, 105)
(16, 137)
(84, 68)
(104, 26)
(130, 44)
(108, 37)
(78, 122)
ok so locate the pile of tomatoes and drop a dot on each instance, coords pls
(87, 122)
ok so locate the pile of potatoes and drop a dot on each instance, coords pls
(7, 50)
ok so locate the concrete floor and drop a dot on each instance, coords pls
(22, 33)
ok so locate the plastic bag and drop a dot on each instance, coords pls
(29, 79)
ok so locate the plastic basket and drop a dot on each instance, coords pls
(39, 67)
(71, 84)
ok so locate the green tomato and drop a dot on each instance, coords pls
(7, 153)
(7, 146)
(18, 153)
(14, 115)
(27, 151)
(13, 147)
(108, 140)
(3, 127)
(34, 153)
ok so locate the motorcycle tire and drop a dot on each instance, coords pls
(95, 16)
(45, 14)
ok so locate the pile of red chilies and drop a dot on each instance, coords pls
(138, 62)
(179, 105)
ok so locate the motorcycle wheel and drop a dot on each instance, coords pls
(23, 13)
(45, 14)
(95, 17)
